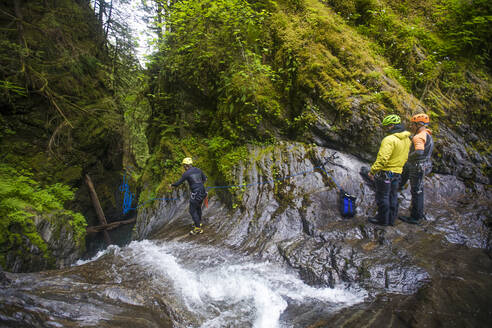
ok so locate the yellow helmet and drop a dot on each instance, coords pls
(187, 161)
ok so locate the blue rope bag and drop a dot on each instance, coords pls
(347, 204)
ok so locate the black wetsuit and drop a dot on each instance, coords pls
(196, 178)
(418, 166)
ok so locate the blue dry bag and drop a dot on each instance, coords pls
(347, 204)
(346, 201)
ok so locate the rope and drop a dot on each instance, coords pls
(128, 196)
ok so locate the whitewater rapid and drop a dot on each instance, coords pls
(214, 287)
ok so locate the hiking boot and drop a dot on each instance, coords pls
(375, 220)
(196, 230)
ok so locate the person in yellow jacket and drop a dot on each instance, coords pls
(386, 170)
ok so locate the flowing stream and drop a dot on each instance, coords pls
(194, 285)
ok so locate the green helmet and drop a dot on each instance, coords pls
(391, 119)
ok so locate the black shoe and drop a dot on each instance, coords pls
(414, 221)
(375, 220)
(409, 219)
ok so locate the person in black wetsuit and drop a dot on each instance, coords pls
(196, 178)
(418, 166)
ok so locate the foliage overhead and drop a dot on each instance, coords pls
(232, 72)
(64, 74)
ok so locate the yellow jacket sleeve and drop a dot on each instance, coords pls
(384, 154)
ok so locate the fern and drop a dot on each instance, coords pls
(22, 198)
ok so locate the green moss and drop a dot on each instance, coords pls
(22, 198)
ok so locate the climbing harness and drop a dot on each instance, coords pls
(347, 202)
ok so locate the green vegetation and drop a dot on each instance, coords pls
(230, 73)
(21, 200)
(439, 50)
(63, 92)
(227, 74)
(467, 27)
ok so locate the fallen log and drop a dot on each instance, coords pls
(108, 226)
(97, 207)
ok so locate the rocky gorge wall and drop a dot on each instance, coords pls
(60, 246)
(454, 153)
(313, 199)
(296, 220)
(60, 120)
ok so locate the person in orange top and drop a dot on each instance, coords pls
(418, 166)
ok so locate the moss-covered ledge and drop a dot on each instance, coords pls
(36, 230)
(48, 241)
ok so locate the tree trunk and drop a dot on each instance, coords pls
(97, 207)
(20, 31)
(160, 14)
(102, 10)
(108, 22)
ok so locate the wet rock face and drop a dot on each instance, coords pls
(61, 248)
(357, 137)
(93, 296)
(296, 220)
(3, 278)
(454, 150)
(153, 220)
(60, 240)
(459, 157)
(320, 262)
(458, 296)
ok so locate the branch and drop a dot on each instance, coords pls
(53, 102)
(46, 91)
(21, 20)
(54, 135)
